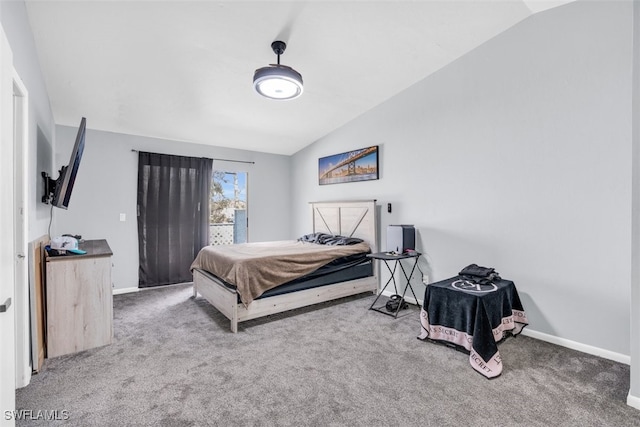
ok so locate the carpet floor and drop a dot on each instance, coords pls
(174, 362)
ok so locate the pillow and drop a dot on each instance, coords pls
(343, 241)
(312, 238)
(329, 239)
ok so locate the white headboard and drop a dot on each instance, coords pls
(347, 218)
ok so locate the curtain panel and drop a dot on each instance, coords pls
(173, 216)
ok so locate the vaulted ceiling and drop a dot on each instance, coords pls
(183, 70)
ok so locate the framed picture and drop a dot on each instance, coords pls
(352, 166)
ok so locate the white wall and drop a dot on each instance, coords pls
(517, 156)
(41, 123)
(106, 186)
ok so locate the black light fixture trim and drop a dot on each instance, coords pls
(278, 81)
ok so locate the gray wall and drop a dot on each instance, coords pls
(15, 22)
(516, 156)
(106, 186)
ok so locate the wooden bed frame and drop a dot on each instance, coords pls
(352, 219)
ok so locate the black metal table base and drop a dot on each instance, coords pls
(386, 257)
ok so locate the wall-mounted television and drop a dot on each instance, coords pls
(58, 192)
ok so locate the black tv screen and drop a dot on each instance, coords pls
(67, 178)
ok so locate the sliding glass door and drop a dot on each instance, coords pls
(228, 220)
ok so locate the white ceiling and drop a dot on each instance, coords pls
(183, 70)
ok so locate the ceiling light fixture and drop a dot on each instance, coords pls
(278, 81)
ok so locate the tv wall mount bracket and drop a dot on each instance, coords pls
(49, 187)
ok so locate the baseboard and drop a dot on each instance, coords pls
(633, 401)
(595, 351)
(118, 291)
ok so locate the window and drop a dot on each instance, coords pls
(228, 219)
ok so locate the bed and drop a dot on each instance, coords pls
(239, 296)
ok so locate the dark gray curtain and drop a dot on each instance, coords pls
(173, 216)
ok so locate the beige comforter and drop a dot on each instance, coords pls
(257, 267)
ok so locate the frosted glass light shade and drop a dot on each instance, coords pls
(278, 82)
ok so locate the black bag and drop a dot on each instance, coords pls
(394, 302)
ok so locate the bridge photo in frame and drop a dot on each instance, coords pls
(356, 165)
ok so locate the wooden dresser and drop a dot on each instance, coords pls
(79, 300)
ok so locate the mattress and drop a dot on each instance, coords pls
(257, 267)
(339, 270)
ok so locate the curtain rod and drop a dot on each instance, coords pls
(221, 160)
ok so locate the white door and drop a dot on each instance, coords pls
(21, 288)
(7, 222)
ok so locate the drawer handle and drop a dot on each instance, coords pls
(4, 307)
